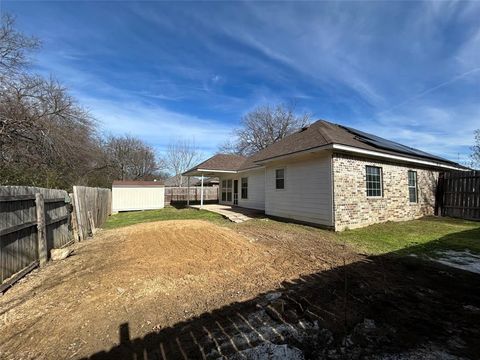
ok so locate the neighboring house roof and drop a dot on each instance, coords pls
(210, 181)
(320, 134)
(138, 183)
(174, 180)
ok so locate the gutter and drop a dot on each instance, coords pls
(355, 150)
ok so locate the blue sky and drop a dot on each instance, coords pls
(408, 71)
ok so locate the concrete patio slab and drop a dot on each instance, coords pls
(233, 213)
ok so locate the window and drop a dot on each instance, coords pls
(245, 188)
(374, 181)
(412, 186)
(229, 190)
(280, 179)
(224, 190)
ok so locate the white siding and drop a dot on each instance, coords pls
(256, 189)
(308, 190)
(130, 197)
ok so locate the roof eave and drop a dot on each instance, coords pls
(364, 152)
(209, 172)
(295, 153)
(400, 158)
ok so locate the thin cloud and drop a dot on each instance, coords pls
(432, 89)
(205, 65)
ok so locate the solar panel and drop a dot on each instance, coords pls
(390, 145)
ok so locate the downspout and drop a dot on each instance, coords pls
(332, 174)
(201, 193)
(188, 191)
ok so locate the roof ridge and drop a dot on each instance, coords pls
(325, 136)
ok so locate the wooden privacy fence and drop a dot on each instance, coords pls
(92, 207)
(180, 194)
(35, 220)
(458, 194)
(32, 222)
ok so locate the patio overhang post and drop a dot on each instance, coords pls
(201, 193)
(188, 191)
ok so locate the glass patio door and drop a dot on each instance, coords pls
(235, 192)
(227, 190)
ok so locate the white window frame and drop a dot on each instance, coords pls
(241, 188)
(412, 186)
(284, 179)
(366, 182)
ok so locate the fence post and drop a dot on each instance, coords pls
(78, 215)
(74, 218)
(41, 229)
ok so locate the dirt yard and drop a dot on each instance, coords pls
(150, 276)
(192, 289)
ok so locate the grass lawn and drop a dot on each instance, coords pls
(423, 236)
(168, 213)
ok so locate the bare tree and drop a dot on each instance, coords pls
(14, 47)
(45, 137)
(131, 158)
(180, 156)
(475, 156)
(264, 126)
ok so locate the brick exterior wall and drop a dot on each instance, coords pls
(352, 207)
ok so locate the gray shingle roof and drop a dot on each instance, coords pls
(323, 133)
(318, 134)
(225, 162)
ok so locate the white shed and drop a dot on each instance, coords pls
(137, 195)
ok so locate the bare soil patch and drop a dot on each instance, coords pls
(151, 276)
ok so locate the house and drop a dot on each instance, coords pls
(137, 195)
(175, 181)
(211, 181)
(180, 181)
(330, 175)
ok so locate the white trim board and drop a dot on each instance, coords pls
(355, 150)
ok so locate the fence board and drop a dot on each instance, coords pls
(97, 201)
(18, 239)
(180, 194)
(459, 194)
(19, 243)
